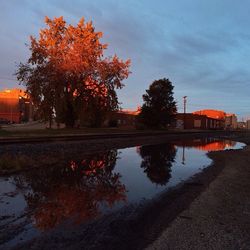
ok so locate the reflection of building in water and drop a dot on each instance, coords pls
(207, 144)
(15, 106)
(216, 146)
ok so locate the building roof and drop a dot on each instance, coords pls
(12, 94)
(212, 113)
(130, 111)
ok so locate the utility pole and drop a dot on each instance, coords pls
(185, 106)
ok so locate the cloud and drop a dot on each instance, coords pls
(201, 46)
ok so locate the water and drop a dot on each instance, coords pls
(82, 190)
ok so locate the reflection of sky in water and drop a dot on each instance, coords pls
(137, 182)
(141, 181)
(9, 190)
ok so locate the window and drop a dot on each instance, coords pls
(197, 123)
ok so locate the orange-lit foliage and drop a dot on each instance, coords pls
(78, 192)
(67, 70)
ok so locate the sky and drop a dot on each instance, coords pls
(201, 46)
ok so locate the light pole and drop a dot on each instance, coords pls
(11, 113)
(184, 106)
(20, 108)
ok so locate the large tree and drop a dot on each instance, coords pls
(159, 106)
(68, 75)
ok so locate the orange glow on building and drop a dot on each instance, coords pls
(12, 104)
(211, 113)
(131, 111)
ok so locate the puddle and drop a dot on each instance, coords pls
(79, 191)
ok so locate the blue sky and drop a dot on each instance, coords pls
(202, 46)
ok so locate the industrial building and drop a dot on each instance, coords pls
(15, 106)
(231, 121)
(196, 121)
(123, 118)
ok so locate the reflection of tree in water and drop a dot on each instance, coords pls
(157, 161)
(76, 191)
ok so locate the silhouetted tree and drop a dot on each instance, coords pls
(159, 107)
(67, 73)
(157, 161)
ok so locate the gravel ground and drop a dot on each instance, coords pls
(220, 217)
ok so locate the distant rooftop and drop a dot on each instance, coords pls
(130, 111)
(213, 113)
(12, 93)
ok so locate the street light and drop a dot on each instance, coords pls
(184, 104)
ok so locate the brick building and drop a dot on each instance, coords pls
(123, 118)
(15, 106)
(127, 118)
(212, 113)
(196, 121)
(231, 121)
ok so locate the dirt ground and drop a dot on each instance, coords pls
(220, 217)
(210, 212)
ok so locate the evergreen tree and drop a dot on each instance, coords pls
(159, 106)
